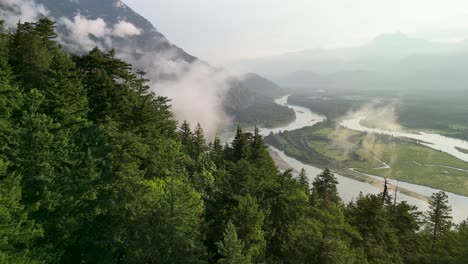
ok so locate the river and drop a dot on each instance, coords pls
(435, 141)
(349, 188)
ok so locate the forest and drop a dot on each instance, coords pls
(94, 168)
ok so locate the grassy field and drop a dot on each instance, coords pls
(338, 148)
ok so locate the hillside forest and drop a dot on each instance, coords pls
(94, 168)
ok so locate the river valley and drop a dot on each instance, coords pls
(350, 188)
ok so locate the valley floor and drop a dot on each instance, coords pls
(356, 154)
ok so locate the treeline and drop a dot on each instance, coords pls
(333, 108)
(266, 113)
(94, 169)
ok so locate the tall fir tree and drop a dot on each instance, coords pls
(324, 188)
(438, 218)
(231, 248)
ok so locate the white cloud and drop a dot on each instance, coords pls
(197, 96)
(83, 32)
(13, 11)
(196, 90)
(124, 29)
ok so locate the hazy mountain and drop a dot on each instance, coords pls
(390, 61)
(379, 54)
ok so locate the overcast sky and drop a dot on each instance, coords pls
(220, 31)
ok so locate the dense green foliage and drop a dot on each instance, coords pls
(265, 113)
(331, 107)
(94, 169)
(251, 103)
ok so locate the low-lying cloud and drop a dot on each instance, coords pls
(12, 11)
(197, 90)
(378, 115)
(374, 115)
(85, 34)
(124, 29)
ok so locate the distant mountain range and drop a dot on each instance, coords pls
(389, 61)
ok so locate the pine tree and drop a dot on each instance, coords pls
(30, 56)
(304, 181)
(240, 146)
(16, 231)
(186, 136)
(249, 219)
(289, 208)
(108, 82)
(324, 188)
(231, 248)
(5, 70)
(45, 29)
(378, 238)
(259, 149)
(199, 141)
(217, 152)
(461, 254)
(405, 219)
(438, 218)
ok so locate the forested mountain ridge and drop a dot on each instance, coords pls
(95, 169)
(111, 24)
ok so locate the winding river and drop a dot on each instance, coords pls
(349, 188)
(435, 141)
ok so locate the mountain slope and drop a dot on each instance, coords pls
(149, 40)
(111, 24)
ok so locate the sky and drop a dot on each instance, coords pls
(223, 31)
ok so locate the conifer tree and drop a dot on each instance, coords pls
(304, 181)
(438, 218)
(199, 141)
(290, 206)
(240, 145)
(259, 149)
(461, 254)
(45, 28)
(324, 188)
(217, 152)
(186, 136)
(17, 232)
(249, 220)
(378, 238)
(30, 56)
(231, 248)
